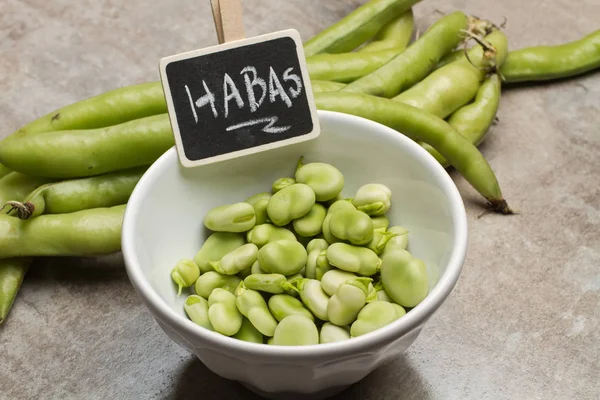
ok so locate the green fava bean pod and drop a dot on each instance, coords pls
(332, 280)
(212, 280)
(311, 224)
(223, 313)
(396, 33)
(380, 240)
(312, 295)
(254, 307)
(360, 260)
(269, 283)
(373, 199)
(324, 179)
(322, 265)
(317, 244)
(259, 202)
(282, 183)
(353, 226)
(320, 86)
(196, 308)
(184, 274)
(296, 330)
(215, 247)
(380, 222)
(236, 218)
(12, 273)
(373, 316)
(331, 333)
(263, 234)
(248, 333)
(404, 277)
(286, 257)
(289, 203)
(284, 305)
(236, 260)
(348, 300)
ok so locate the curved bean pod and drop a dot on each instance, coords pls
(396, 33)
(319, 86)
(12, 273)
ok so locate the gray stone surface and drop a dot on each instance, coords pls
(523, 321)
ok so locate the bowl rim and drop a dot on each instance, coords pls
(395, 330)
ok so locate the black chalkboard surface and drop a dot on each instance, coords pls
(239, 98)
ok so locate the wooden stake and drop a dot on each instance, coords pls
(228, 17)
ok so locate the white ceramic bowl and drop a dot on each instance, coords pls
(163, 223)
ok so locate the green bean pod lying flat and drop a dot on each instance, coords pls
(396, 33)
(78, 194)
(447, 89)
(421, 125)
(12, 272)
(16, 186)
(414, 63)
(357, 27)
(346, 67)
(82, 233)
(4, 171)
(89, 152)
(543, 63)
(110, 108)
(319, 86)
(473, 121)
(450, 58)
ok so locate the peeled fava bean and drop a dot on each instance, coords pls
(259, 201)
(248, 333)
(296, 330)
(238, 217)
(196, 308)
(269, 283)
(215, 247)
(286, 257)
(348, 300)
(398, 241)
(317, 243)
(373, 316)
(312, 295)
(380, 222)
(373, 199)
(352, 225)
(404, 277)
(380, 240)
(333, 278)
(331, 333)
(290, 203)
(310, 224)
(326, 180)
(283, 305)
(282, 183)
(322, 265)
(253, 306)
(360, 260)
(212, 280)
(184, 274)
(223, 313)
(237, 260)
(260, 235)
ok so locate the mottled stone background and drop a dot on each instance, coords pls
(523, 321)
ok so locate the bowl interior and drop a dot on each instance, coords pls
(165, 212)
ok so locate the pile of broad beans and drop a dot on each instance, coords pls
(65, 177)
(300, 265)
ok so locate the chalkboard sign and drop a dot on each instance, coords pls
(239, 98)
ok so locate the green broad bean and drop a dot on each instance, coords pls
(245, 273)
(284, 305)
(184, 274)
(373, 316)
(263, 234)
(400, 311)
(215, 247)
(341, 205)
(223, 313)
(371, 293)
(236, 260)
(282, 183)
(286, 257)
(398, 241)
(344, 306)
(353, 226)
(255, 269)
(357, 27)
(326, 231)
(333, 278)
(380, 222)
(380, 240)
(269, 283)
(381, 294)
(196, 308)
(331, 333)
(324, 179)
(317, 244)
(373, 199)
(289, 203)
(310, 270)
(312, 295)
(322, 265)
(404, 277)
(360, 260)
(248, 333)
(236, 218)
(259, 201)
(254, 307)
(296, 330)
(310, 224)
(270, 341)
(396, 33)
(211, 280)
